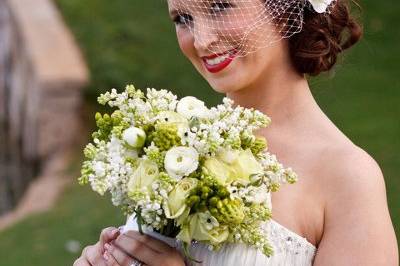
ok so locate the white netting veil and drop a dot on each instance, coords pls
(241, 26)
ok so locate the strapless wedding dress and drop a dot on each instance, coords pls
(290, 249)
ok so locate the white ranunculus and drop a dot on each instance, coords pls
(171, 117)
(192, 107)
(320, 6)
(181, 161)
(174, 118)
(135, 137)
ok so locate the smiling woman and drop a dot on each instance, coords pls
(258, 53)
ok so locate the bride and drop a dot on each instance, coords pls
(258, 53)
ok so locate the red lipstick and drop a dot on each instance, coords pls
(216, 67)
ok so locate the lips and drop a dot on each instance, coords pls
(217, 62)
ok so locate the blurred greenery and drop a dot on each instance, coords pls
(134, 42)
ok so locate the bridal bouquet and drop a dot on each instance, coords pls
(184, 170)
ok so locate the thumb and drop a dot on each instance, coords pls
(107, 235)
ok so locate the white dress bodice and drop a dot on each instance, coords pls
(290, 249)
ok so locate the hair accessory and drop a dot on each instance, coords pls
(227, 28)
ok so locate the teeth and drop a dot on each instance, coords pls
(217, 60)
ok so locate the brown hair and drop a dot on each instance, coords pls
(323, 37)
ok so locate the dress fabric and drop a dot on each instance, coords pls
(290, 249)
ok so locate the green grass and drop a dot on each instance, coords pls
(41, 239)
(134, 41)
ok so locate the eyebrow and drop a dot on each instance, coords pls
(174, 11)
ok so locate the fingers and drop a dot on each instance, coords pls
(153, 243)
(107, 235)
(115, 256)
(81, 262)
(110, 260)
(126, 249)
(94, 255)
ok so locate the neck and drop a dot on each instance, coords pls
(283, 96)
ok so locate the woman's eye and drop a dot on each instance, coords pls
(183, 19)
(220, 6)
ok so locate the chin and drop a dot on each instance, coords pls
(224, 86)
(229, 80)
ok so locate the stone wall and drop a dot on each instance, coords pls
(42, 74)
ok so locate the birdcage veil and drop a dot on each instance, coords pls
(242, 26)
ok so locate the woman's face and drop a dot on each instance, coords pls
(214, 35)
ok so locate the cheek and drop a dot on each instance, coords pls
(185, 41)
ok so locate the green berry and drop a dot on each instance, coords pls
(213, 201)
(192, 200)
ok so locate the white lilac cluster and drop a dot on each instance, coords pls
(183, 169)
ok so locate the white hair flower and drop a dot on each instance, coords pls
(192, 107)
(320, 6)
(181, 161)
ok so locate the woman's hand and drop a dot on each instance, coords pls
(133, 246)
(93, 255)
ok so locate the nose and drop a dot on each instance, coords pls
(204, 37)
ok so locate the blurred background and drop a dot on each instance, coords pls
(57, 57)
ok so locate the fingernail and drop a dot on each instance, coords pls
(105, 255)
(113, 232)
(107, 246)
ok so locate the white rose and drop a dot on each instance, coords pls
(192, 107)
(181, 161)
(175, 206)
(143, 176)
(320, 6)
(135, 137)
(246, 165)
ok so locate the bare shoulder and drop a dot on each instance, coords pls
(357, 224)
(350, 169)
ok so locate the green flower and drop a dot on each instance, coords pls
(230, 211)
(165, 136)
(143, 176)
(176, 203)
(203, 226)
